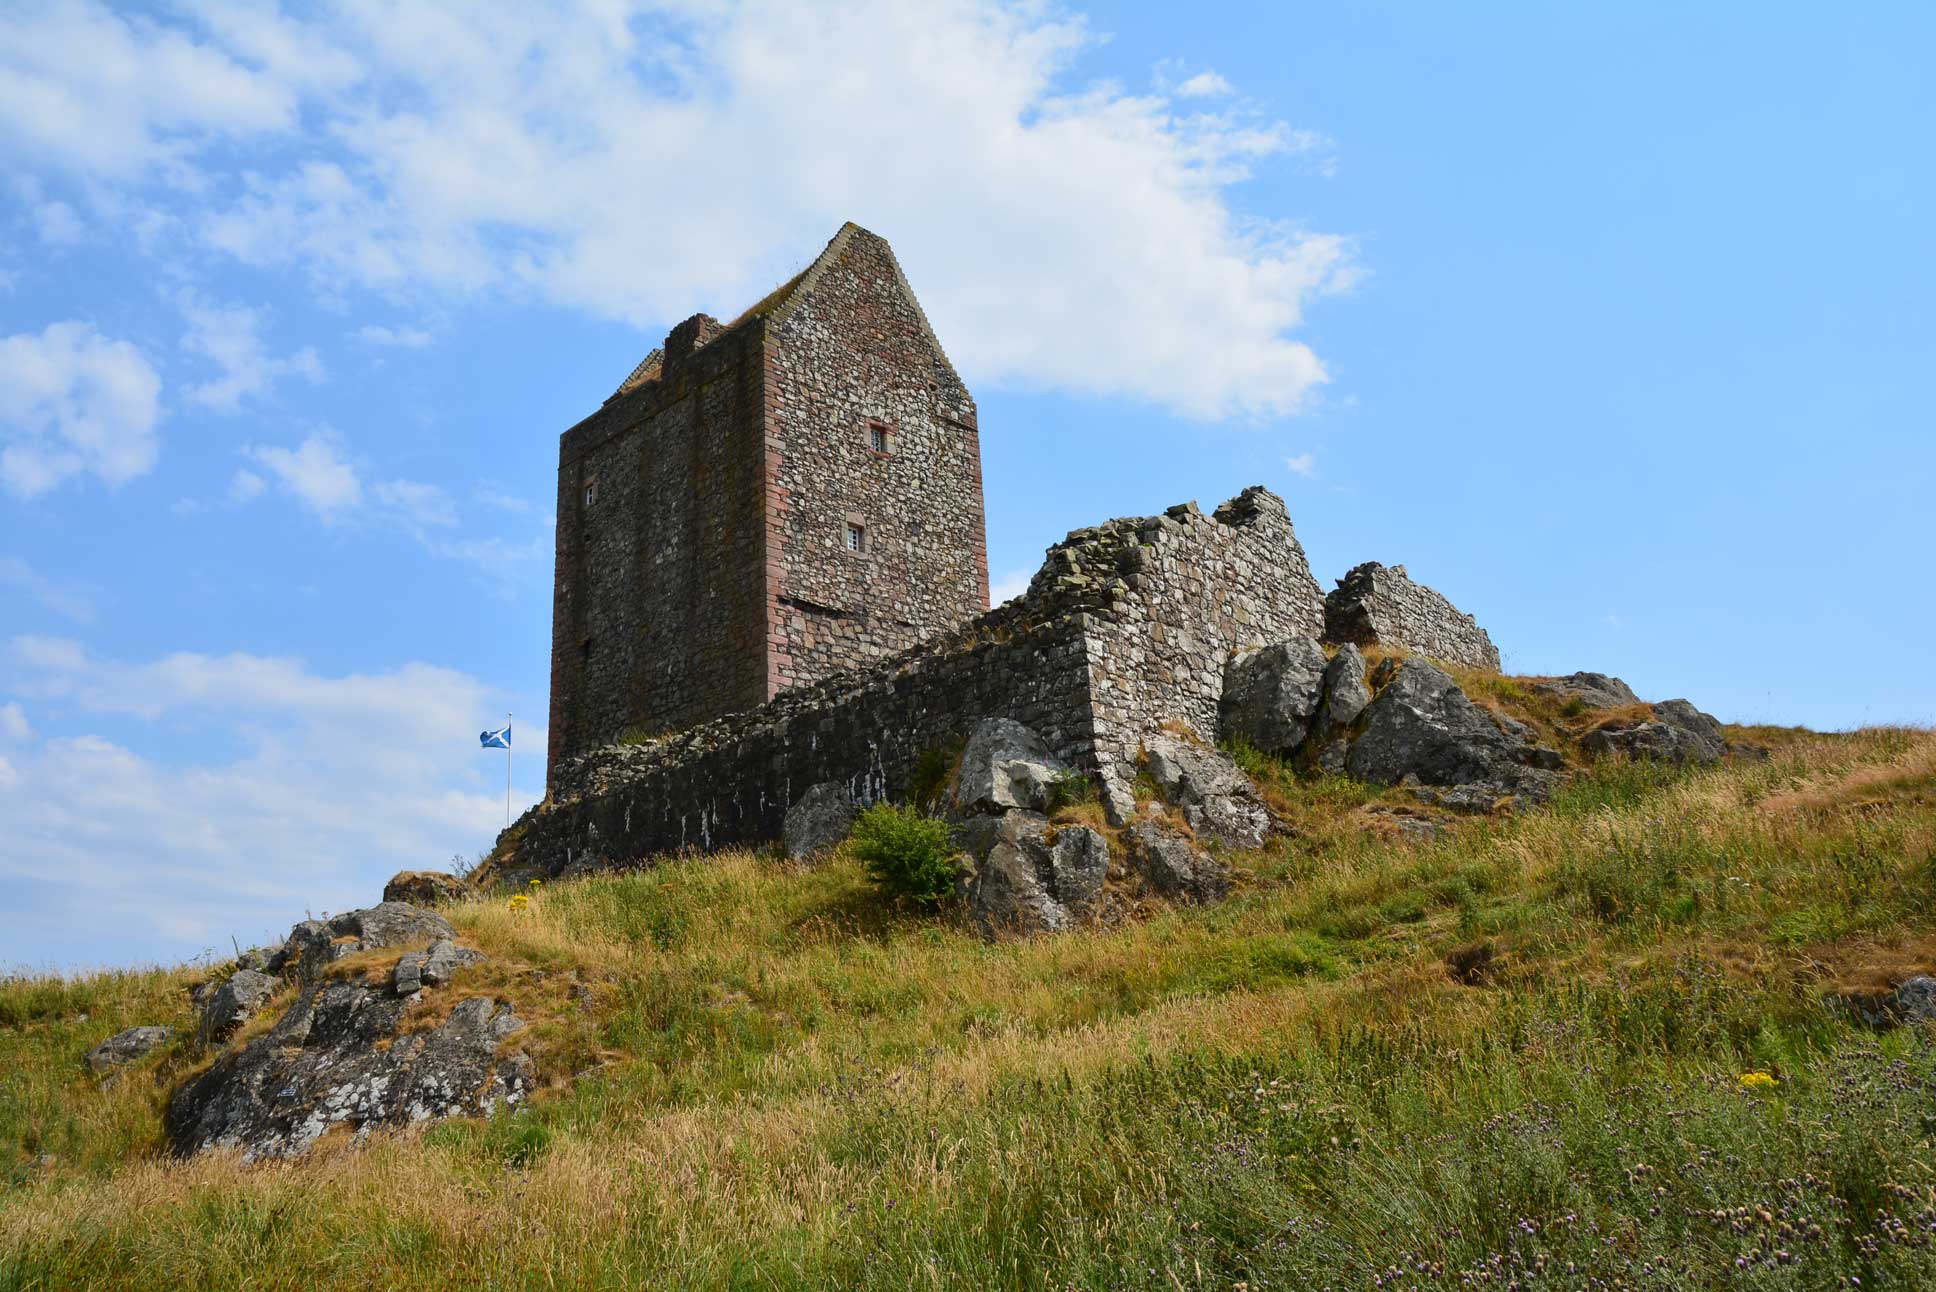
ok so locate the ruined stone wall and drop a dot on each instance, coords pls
(1186, 591)
(1379, 605)
(1126, 626)
(659, 601)
(852, 355)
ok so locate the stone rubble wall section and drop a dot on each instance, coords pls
(1126, 626)
(1379, 605)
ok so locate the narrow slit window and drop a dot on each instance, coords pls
(877, 438)
(591, 491)
(856, 537)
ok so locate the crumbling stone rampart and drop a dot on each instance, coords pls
(1127, 626)
(1379, 605)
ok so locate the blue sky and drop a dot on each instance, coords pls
(1611, 322)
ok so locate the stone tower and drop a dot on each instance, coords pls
(762, 503)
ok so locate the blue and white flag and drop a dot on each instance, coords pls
(500, 739)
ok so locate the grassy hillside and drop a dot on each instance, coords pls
(1508, 1056)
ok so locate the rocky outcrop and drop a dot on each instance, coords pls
(820, 820)
(1592, 690)
(340, 1053)
(1004, 765)
(1030, 877)
(1676, 733)
(232, 1004)
(1379, 605)
(1174, 867)
(338, 1056)
(1913, 1000)
(1215, 796)
(1421, 729)
(126, 1047)
(313, 944)
(1271, 695)
(425, 887)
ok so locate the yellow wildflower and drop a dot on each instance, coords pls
(518, 903)
(1758, 1081)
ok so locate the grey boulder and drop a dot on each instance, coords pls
(1005, 766)
(233, 1004)
(314, 944)
(1676, 733)
(1173, 866)
(433, 968)
(1216, 798)
(424, 887)
(338, 1056)
(818, 820)
(1270, 695)
(1594, 690)
(1421, 729)
(1026, 876)
(126, 1047)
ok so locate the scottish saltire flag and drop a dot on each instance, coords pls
(500, 739)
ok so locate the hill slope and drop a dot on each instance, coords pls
(1506, 1055)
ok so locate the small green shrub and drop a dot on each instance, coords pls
(934, 771)
(1070, 789)
(909, 855)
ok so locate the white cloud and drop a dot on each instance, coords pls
(1204, 85)
(404, 338)
(334, 782)
(74, 402)
(230, 337)
(64, 599)
(1304, 464)
(1088, 239)
(419, 506)
(315, 473)
(86, 91)
(246, 486)
(14, 727)
(1009, 586)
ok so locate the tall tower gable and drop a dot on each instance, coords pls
(762, 503)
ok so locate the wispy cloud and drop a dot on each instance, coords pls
(230, 337)
(416, 154)
(1303, 464)
(67, 600)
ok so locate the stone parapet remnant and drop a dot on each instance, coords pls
(1126, 628)
(1379, 605)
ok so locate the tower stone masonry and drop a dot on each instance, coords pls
(762, 504)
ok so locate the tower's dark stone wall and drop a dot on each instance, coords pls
(710, 512)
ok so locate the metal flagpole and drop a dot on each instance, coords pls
(507, 771)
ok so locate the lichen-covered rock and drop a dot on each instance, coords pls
(336, 1056)
(1676, 733)
(1343, 695)
(424, 887)
(1216, 798)
(1421, 729)
(1913, 1000)
(1379, 605)
(819, 820)
(1029, 877)
(1270, 695)
(126, 1047)
(1173, 866)
(1594, 690)
(233, 1004)
(313, 944)
(1004, 766)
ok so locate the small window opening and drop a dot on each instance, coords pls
(856, 538)
(591, 492)
(877, 438)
